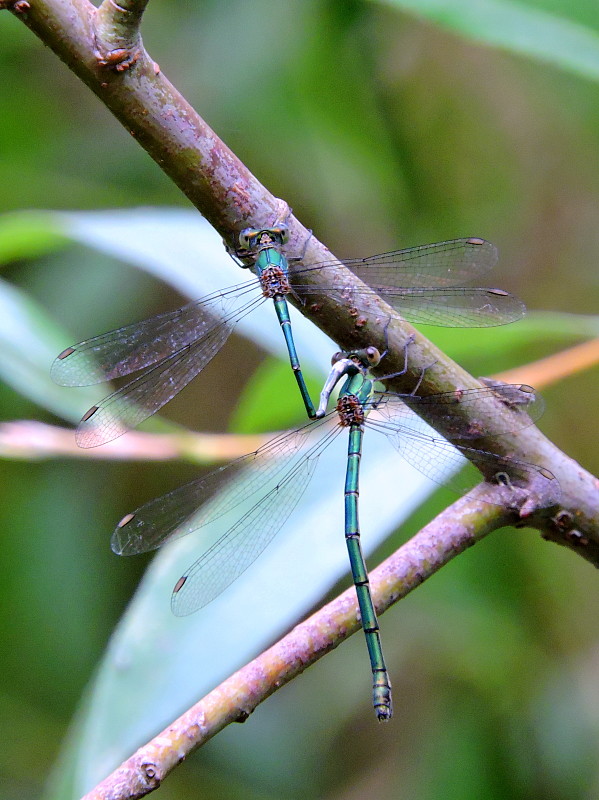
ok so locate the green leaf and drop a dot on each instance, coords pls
(268, 400)
(494, 349)
(181, 248)
(29, 342)
(29, 235)
(167, 243)
(516, 27)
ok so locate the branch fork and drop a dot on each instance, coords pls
(117, 36)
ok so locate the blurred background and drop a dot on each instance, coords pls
(382, 130)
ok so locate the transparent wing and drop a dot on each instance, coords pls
(430, 265)
(462, 412)
(416, 283)
(457, 307)
(234, 552)
(454, 307)
(437, 458)
(141, 344)
(140, 398)
(180, 512)
(441, 264)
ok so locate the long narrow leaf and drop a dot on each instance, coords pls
(517, 27)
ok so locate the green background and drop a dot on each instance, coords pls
(382, 129)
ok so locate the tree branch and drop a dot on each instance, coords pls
(230, 197)
(455, 529)
(152, 110)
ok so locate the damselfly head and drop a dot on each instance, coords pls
(252, 238)
(366, 357)
(280, 233)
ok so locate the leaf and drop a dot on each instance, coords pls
(28, 235)
(171, 244)
(517, 27)
(498, 344)
(29, 342)
(175, 661)
(268, 400)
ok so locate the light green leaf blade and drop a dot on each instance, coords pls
(29, 235)
(175, 661)
(170, 244)
(174, 245)
(29, 342)
(516, 27)
(511, 345)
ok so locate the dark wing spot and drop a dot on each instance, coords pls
(89, 413)
(180, 583)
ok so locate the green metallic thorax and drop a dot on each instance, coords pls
(270, 257)
(360, 386)
(266, 247)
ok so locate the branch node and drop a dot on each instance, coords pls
(577, 538)
(563, 520)
(150, 775)
(18, 6)
(119, 60)
(117, 40)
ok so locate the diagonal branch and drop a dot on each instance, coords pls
(230, 197)
(458, 527)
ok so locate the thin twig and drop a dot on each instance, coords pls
(556, 366)
(455, 529)
(33, 440)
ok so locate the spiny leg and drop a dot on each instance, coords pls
(301, 258)
(410, 340)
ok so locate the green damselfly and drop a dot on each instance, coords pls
(272, 480)
(168, 350)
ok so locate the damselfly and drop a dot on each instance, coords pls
(172, 348)
(272, 480)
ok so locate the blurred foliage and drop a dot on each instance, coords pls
(383, 130)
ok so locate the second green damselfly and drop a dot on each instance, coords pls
(269, 483)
